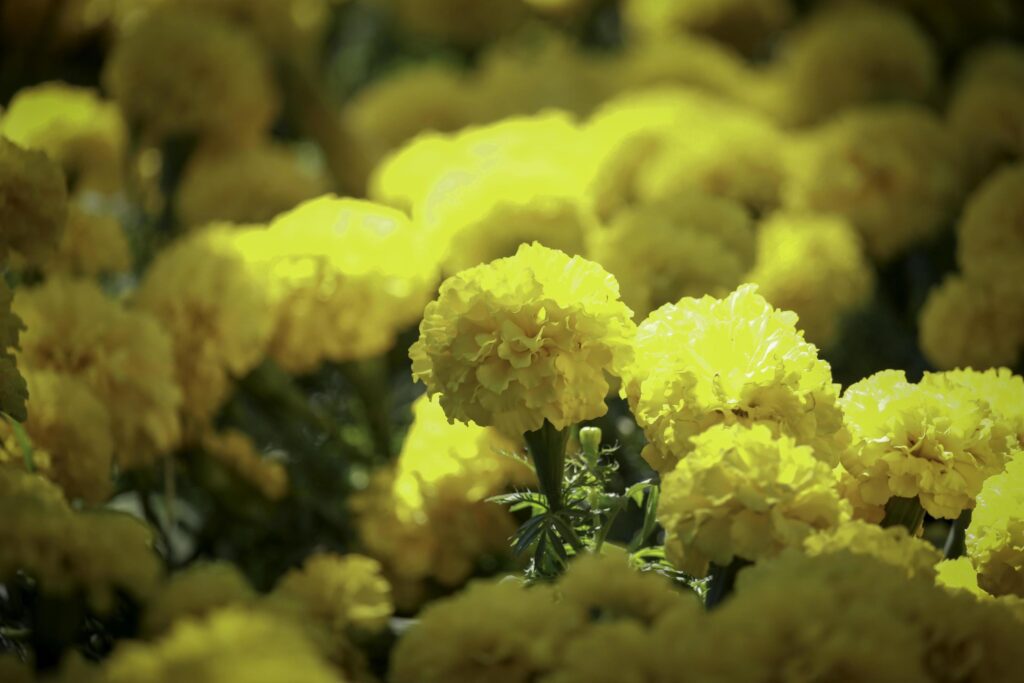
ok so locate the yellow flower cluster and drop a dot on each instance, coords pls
(990, 248)
(737, 360)
(745, 24)
(744, 493)
(937, 440)
(33, 202)
(122, 356)
(75, 127)
(232, 643)
(893, 545)
(183, 71)
(428, 519)
(892, 170)
(813, 265)
(995, 537)
(93, 243)
(193, 592)
(247, 185)
(524, 340)
(234, 450)
(96, 553)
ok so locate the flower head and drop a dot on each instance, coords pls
(33, 202)
(13, 391)
(195, 591)
(893, 545)
(524, 339)
(995, 537)
(990, 244)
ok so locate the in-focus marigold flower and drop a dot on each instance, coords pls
(987, 105)
(1002, 391)
(93, 244)
(935, 440)
(497, 632)
(124, 356)
(966, 323)
(995, 537)
(850, 54)
(990, 237)
(236, 451)
(893, 545)
(33, 202)
(195, 591)
(345, 277)
(215, 307)
(813, 265)
(524, 340)
(744, 493)
(13, 391)
(346, 594)
(462, 22)
(238, 643)
(73, 126)
(186, 72)
(892, 170)
(690, 245)
(746, 24)
(248, 185)
(737, 360)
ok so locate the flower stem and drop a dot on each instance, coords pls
(723, 580)
(956, 542)
(905, 512)
(547, 448)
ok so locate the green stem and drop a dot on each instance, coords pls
(956, 542)
(547, 448)
(602, 534)
(905, 512)
(723, 581)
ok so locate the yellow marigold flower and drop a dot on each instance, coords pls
(491, 632)
(248, 185)
(745, 493)
(607, 588)
(123, 356)
(850, 54)
(813, 265)
(966, 323)
(233, 643)
(524, 339)
(347, 594)
(215, 306)
(93, 244)
(995, 537)
(990, 244)
(959, 574)
(682, 59)
(185, 72)
(747, 24)
(13, 391)
(893, 545)
(893, 171)
(987, 105)
(33, 202)
(195, 591)
(463, 22)
(1002, 391)
(236, 451)
(16, 485)
(690, 245)
(345, 276)
(934, 440)
(73, 126)
(737, 360)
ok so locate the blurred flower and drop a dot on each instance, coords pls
(524, 340)
(893, 171)
(185, 72)
(683, 59)
(93, 244)
(995, 537)
(235, 450)
(990, 243)
(75, 127)
(746, 24)
(33, 202)
(465, 23)
(124, 357)
(744, 493)
(737, 360)
(13, 391)
(813, 265)
(689, 245)
(195, 591)
(893, 545)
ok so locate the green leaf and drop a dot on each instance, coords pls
(21, 436)
(637, 490)
(528, 533)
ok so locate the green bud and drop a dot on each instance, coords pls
(590, 441)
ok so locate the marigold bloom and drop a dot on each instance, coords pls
(186, 72)
(73, 126)
(892, 170)
(893, 545)
(524, 339)
(737, 360)
(743, 23)
(662, 251)
(813, 265)
(745, 493)
(935, 440)
(93, 244)
(33, 202)
(195, 591)
(995, 537)
(990, 244)
(236, 451)
(13, 391)
(124, 356)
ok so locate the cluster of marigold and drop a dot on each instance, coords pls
(671, 173)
